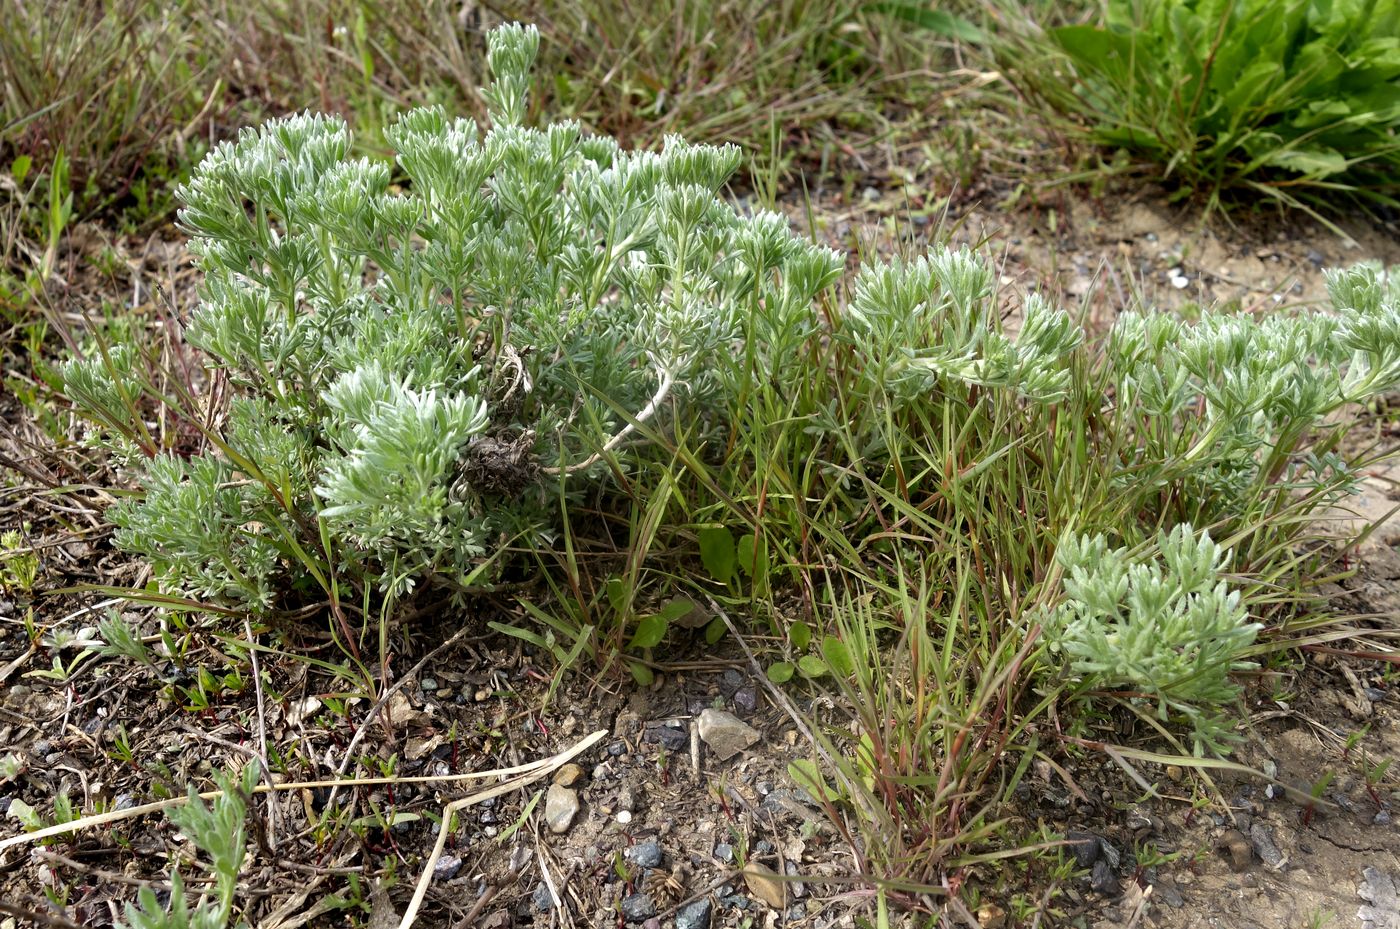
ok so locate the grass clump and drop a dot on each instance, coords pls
(115, 88)
(1296, 101)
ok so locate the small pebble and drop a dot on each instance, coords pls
(624, 816)
(798, 888)
(568, 775)
(1103, 879)
(1375, 695)
(1084, 846)
(645, 855)
(672, 738)
(1237, 849)
(1263, 840)
(1108, 853)
(991, 916)
(1168, 894)
(446, 868)
(695, 915)
(725, 734)
(724, 852)
(638, 907)
(765, 885)
(560, 807)
(429, 683)
(1382, 818)
(541, 897)
(746, 699)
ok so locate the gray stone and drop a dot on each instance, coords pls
(695, 915)
(1262, 838)
(638, 907)
(724, 852)
(560, 807)
(798, 888)
(1084, 846)
(1166, 892)
(1103, 879)
(746, 699)
(627, 800)
(541, 898)
(124, 802)
(1108, 853)
(1378, 890)
(725, 733)
(446, 868)
(645, 855)
(1382, 818)
(672, 738)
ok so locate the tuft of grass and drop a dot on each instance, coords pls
(1290, 101)
(118, 85)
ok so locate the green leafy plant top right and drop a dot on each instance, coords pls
(1295, 99)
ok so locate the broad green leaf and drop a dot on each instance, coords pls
(641, 673)
(650, 631)
(1314, 162)
(715, 631)
(753, 557)
(805, 774)
(19, 168)
(617, 594)
(717, 552)
(677, 609)
(924, 15)
(800, 635)
(838, 656)
(781, 672)
(812, 666)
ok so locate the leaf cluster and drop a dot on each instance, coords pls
(1283, 97)
(1166, 626)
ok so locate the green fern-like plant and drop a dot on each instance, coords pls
(217, 830)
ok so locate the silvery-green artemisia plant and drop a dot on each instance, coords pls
(1167, 627)
(419, 353)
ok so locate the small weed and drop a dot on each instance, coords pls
(19, 562)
